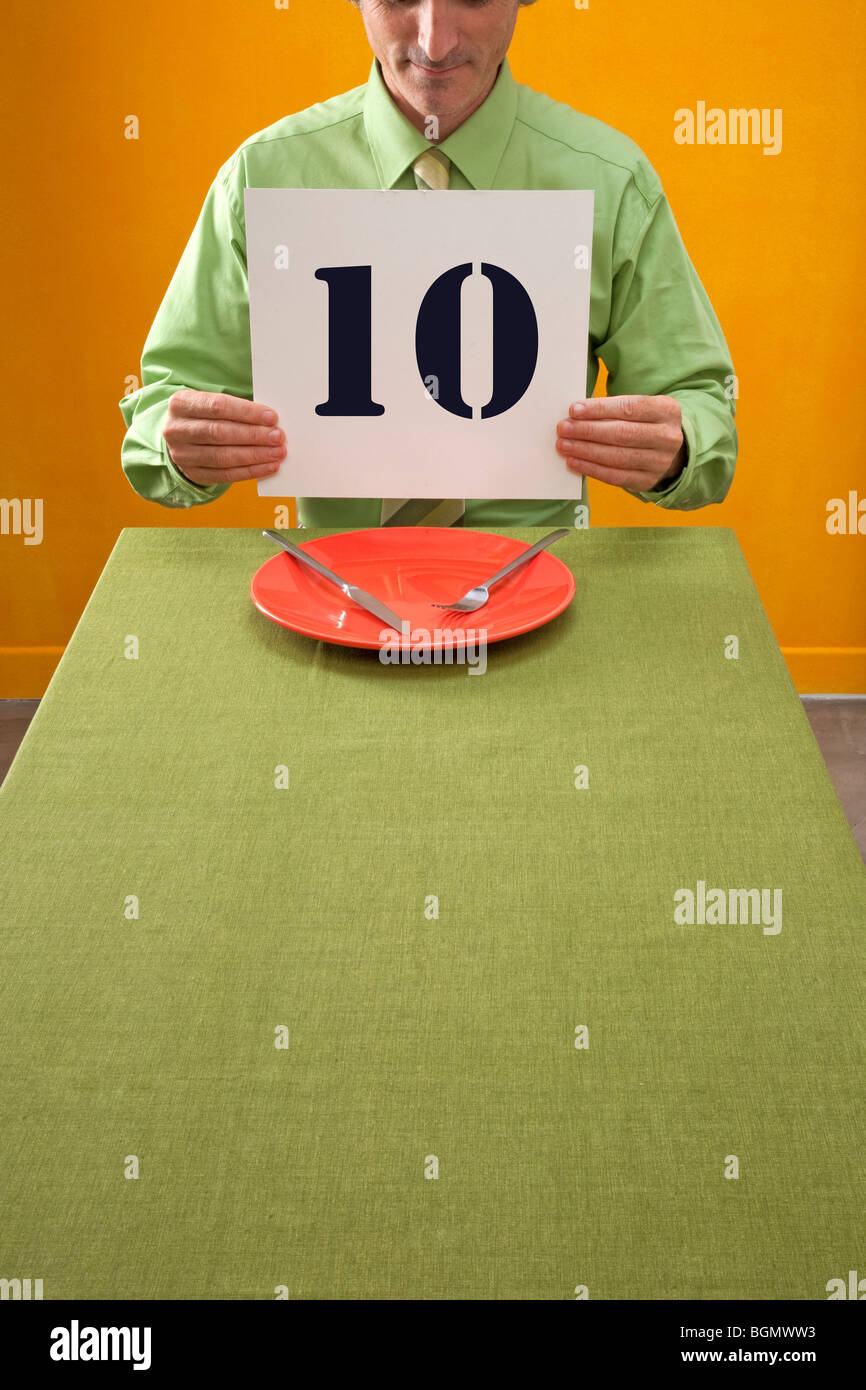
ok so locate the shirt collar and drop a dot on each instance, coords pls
(476, 147)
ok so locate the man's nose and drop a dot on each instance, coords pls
(437, 31)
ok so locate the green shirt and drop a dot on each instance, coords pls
(651, 322)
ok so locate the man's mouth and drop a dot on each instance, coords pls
(435, 72)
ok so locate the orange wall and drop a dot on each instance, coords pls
(95, 225)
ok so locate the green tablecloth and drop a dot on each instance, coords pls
(416, 1041)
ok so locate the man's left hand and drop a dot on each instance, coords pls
(628, 441)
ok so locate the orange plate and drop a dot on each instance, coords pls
(410, 567)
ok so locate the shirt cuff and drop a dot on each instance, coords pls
(182, 491)
(671, 488)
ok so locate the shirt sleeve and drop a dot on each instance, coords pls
(664, 340)
(200, 340)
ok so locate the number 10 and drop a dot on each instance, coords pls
(437, 340)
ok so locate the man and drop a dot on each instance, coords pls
(665, 432)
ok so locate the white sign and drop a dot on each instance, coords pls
(419, 344)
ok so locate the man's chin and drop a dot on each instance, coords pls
(438, 94)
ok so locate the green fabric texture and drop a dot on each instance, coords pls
(558, 1167)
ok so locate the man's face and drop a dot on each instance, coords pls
(439, 57)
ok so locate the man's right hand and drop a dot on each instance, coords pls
(214, 438)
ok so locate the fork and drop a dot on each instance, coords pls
(477, 597)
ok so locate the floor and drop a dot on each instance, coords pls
(839, 726)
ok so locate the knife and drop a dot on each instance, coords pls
(372, 604)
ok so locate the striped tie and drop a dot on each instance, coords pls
(432, 171)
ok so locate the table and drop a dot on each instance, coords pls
(508, 1072)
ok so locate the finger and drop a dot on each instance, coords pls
(217, 432)
(206, 457)
(625, 408)
(218, 405)
(581, 450)
(207, 477)
(617, 477)
(658, 436)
